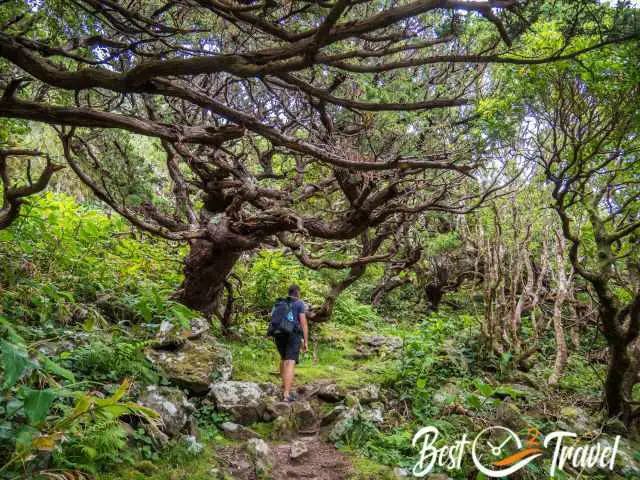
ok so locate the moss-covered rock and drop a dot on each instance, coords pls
(193, 364)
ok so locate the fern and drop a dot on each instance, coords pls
(115, 361)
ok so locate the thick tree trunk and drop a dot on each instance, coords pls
(206, 269)
(619, 364)
(434, 293)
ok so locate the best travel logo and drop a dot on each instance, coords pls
(498, 452)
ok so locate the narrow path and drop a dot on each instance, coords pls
(320, 459)
(322, 462)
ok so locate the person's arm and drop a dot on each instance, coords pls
(305, 331)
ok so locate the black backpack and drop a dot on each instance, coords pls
(282, 321)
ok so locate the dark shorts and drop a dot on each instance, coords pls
(289, 346)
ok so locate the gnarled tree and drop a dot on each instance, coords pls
(315, 119)
(13, 195)
(588, 146)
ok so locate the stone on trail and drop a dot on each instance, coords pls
(333, 415)
(260, 455)
(275, 409)
(271, 389)
(298, 449)
(172, 406)
(243, 400)
(399, 473)
(330, 392)
(236, 431)
(193, 364)
(305, 417)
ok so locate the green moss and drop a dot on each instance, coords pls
(174, 464)
(366, 469)
(264, 429)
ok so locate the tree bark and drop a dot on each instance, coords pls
(619, 364)
(206, 269)
(561, 295)
(434, 293)
(386, 288)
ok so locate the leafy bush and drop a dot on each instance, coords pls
(59, 255)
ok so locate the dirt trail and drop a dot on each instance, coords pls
(321, 461)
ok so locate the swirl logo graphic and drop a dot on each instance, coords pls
(501, 449)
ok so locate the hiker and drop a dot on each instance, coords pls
(288, 327)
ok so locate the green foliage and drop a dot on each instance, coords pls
(60, 256)
(349, 311)
(112, 361)
(270, 273)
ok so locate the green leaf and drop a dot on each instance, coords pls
(37, 404)
(474, 401)
(14, 361)
(52, 367)
(24, 436)
(421, 383)
(485, 389)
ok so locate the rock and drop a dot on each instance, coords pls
(330, 393)
(271, 389)
(452, 358)
(260, 455)
(446, 395)
(379, 342)
(373, 415)
(160, 438)
(333, 415)
(516, 391)
(243, 400)
(193, 447)
(343, 424)
(626, 464)
(171, 404)
(399, 473)
(197, 327)
(277, 409)
(216, 473)
(194, 364)
(351, 400)
(509, 415)
(147, 467)
(575, 419)
(373, 345)
(298, 449)
(303, 414)
(236, 431)
(368, 394)
(51, 349)
(283, 428)
(616, 426)
(240, 468)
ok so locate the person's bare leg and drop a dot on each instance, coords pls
(282, 373)
(287, 376)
